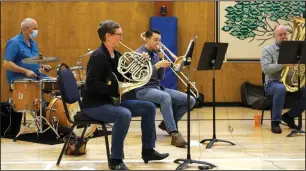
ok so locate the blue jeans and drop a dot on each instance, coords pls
(121, 117)
(173, 103)
(278, 90)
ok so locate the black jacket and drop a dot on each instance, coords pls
(101, 85)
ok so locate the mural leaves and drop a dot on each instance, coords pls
(250, 19)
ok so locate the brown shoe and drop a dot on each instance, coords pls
(178, 140)
(162, 126)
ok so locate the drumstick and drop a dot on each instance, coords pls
(47, 70)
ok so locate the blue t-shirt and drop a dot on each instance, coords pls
(16, 50)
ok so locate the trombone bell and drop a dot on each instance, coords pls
(177, 63)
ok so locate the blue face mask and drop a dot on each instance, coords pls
(34, 34)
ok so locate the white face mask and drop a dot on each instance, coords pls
(34, 34)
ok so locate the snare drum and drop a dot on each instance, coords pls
(79, 73)
(26, 95)
(49, 84)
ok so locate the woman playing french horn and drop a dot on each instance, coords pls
(101, 86)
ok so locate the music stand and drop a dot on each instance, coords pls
(211, 59)
(294, 52)
(185, 162)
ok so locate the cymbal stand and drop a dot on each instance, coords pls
(38, 122)
(25, 126)
(41, 117)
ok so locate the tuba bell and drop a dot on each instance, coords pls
(289, 75)
(135, 69)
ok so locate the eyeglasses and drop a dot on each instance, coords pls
(119, 34)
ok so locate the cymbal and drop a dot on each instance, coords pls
(77, 67)
(40, 60)
(87, 54)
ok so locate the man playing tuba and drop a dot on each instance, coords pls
(274, 87)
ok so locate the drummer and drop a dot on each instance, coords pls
(20, 47)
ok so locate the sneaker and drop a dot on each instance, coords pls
(275, 127)
(178, 140)
(289, 121)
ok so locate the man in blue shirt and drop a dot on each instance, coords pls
(20, 47)
(173, 103)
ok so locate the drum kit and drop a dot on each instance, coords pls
(27, 97)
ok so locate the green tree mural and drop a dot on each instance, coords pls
(254, 19)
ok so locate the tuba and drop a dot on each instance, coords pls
(135, 69)
(289, 75)
(175, 67)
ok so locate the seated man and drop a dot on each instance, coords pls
(19, 47)
(101, 87)
(273, 71)
(173, 104)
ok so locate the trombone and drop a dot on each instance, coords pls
(176, 65)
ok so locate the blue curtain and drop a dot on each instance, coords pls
(168, 28)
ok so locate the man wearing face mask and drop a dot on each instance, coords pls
(273, 71)
(173, 103)
(20, 47)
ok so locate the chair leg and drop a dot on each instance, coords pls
(262, 114)
(107, 144)
(65, 146)
(84, 130)
(155, 132)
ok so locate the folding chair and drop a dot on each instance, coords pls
(268, 99)
(70, 94)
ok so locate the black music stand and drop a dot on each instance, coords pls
(185, 162)
(211, 59)
(294, 52)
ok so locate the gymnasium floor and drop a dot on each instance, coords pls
(255, 149)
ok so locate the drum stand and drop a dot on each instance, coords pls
(38, 120)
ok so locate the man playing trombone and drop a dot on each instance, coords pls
(173, 103)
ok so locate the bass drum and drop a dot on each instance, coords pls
(56, 109)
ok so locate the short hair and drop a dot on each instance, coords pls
(149, 33)
(278, 26)
(107, 26)
(26, 23)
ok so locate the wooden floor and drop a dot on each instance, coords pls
(255, 149)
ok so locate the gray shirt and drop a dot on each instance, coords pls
(269, 65)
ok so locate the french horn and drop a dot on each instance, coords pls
(135, 69)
